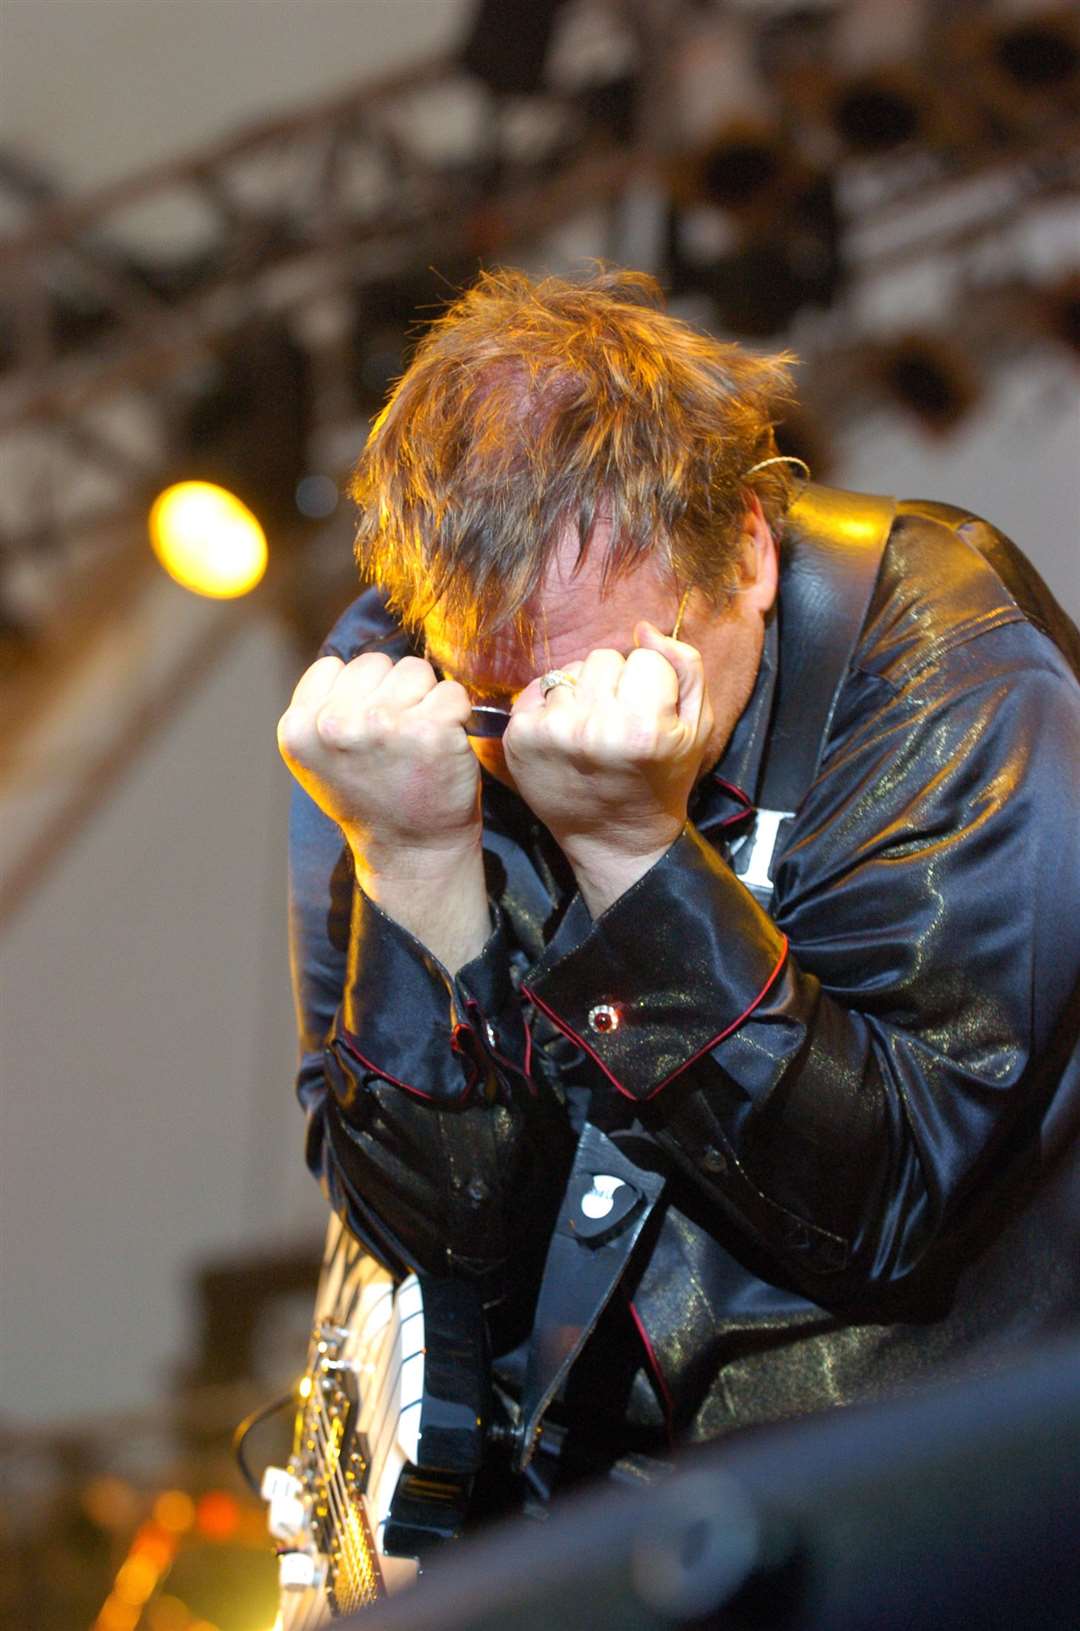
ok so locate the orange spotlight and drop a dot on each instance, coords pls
(216, 1515)
(154, 1542)
(168, 1613)
(207, 540)
(174, 1511)
(116, 1615)
(136, 1579)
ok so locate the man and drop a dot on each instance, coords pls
(857, 1082)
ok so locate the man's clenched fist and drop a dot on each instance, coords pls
(608, 762)
(380, 747)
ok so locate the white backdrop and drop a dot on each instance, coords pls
(146, 1027)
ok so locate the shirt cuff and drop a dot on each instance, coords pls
(678, 963)
(405, 1019)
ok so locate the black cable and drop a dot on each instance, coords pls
(240, 1435)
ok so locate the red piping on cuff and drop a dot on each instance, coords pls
(640, 1098)
(528, 1047)
(519, 1070)
(736, 793)
(654, 1365)
(416, 1092)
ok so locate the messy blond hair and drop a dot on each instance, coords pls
(534, 406)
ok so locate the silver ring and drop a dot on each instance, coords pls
(554, 677)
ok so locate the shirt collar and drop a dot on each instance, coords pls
(740, 763)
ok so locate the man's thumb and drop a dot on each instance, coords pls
(684, 659)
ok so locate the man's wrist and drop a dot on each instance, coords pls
(605, 872)
(437, 895)
(434, 862)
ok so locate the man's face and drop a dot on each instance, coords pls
(569, 617)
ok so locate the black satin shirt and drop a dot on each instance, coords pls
(868, 1098)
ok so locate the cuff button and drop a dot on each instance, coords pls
(604, 1017)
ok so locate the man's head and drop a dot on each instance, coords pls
(537, 412)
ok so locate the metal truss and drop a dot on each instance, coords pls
(299, 211)
(424, 168)
(103, 349)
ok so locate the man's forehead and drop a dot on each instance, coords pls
(571, 614)
(490, 666)
(507, 660)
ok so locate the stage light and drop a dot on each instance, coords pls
(1039, 54)
(1059, 308)
(135, 1580)
(787, 259)
(508, 42)
(930, 378)
(781, 223)
(217, 1515)
(246, 427)
(174, 1510)
(611, 107)
(1024, 72)
(240, 456)
(736, 172)
(155, 1544)
(802, 435)
(391, 314)
(317, 496)
(168, 1613)
(877, 113)
(207, 540)
(742, 168)
(110, 1502)
(116, 1615)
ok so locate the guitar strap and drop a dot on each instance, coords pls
(607, 1201)
(831, 550)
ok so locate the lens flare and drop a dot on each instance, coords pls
(207, 540)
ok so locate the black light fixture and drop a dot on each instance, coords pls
(802, 434)
(17, 637)
(248, 426)
(930, 378)
(788, 253)
(878, 112)
(229, 500)
(1023, 72)
(736, 173)
(508, 42)
(1039, 55)
(391, 314)
(610, 107)
(740, 168)
(1059, 307)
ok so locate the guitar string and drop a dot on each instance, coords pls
(348, 1568)
(308, 1615)
(335, 1275)
(381, 1423)
(315, 1594)
(354, 1558)
(354, 1552)
(358, 1559)
(337, 1499)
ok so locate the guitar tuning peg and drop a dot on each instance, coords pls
(297, 1571)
